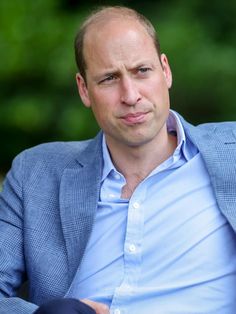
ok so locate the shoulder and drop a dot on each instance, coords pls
(45, 164)
(220, 126)
(218, 131)
(210, 127)
(59, 149)
(51, 157)
(56, 151)
(207, 136)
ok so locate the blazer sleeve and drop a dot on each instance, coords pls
(12, 263)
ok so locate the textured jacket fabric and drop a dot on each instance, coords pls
(48, 204)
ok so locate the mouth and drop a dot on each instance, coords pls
(135, 118)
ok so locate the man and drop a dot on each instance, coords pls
(140, 219)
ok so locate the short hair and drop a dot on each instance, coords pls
(104, 14)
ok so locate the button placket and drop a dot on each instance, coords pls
(132, 255)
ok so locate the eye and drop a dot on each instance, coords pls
(108, 79)
(144, 69)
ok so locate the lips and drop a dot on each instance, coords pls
(134, 118)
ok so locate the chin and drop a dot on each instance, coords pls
(137, 142)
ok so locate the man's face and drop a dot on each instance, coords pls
(127, 84)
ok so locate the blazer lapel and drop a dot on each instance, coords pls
(79, 193)
(217, 144)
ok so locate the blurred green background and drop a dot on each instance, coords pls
(38, 96)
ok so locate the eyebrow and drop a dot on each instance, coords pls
(130, 69)
(141, 64)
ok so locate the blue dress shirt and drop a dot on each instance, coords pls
(167, 249)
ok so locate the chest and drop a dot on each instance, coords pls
(156, 242)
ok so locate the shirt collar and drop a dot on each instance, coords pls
(174, 126)
(107, 165)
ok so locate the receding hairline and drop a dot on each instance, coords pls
(104, 15)
(101, 17)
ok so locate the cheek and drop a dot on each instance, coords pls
(101, 113)
(104, 97)
(105, 102)
(156, 90)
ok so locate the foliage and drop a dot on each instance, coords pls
(39, 101)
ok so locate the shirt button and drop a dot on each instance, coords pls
(117, 311)
(132, 248)
(136, 205)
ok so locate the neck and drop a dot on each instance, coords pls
(137, 162)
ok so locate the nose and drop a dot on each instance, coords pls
(130, 94)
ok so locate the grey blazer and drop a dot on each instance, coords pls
(48, 204)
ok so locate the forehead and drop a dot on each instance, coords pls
(118, 37)
(114, 26)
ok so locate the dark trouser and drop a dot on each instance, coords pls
(64, 306)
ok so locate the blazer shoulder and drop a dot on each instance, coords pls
(209, 134)
(55, 156)
(219, 131)
(58, 148)
(229, 125)
(209, 126)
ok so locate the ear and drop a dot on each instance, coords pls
(166, 70)
(83, 91)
